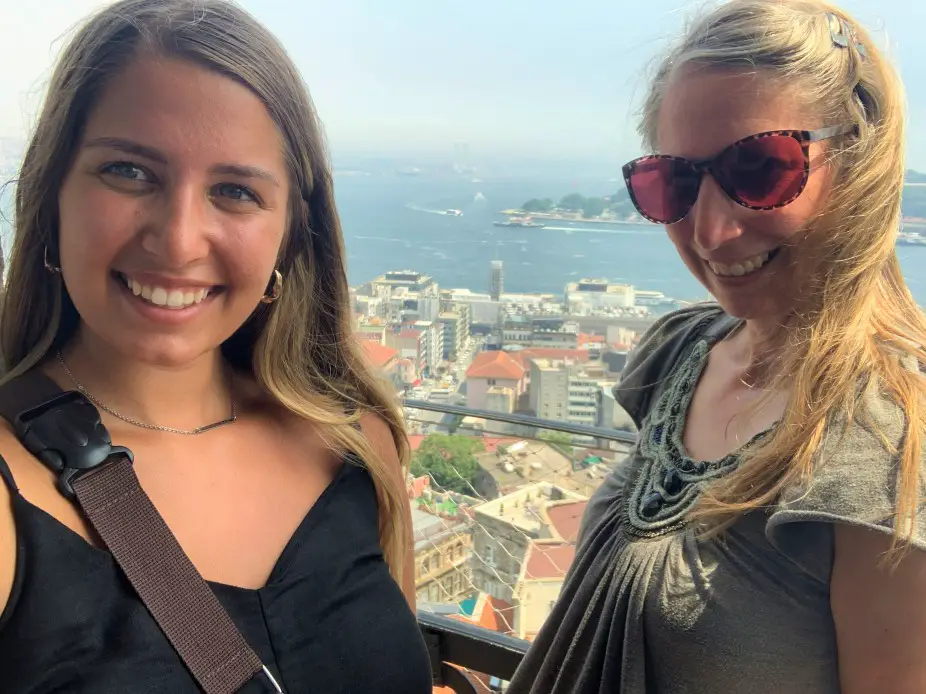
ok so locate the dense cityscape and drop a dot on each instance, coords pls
(496, 505)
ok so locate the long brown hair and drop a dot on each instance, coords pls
(857, 325)
(301, 349)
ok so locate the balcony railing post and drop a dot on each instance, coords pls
(460, 644)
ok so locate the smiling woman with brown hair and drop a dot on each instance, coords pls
(767, 533)
(178, 260)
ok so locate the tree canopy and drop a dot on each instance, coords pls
(450, 460)
(572, 202)
(618, 205)
(535, 205)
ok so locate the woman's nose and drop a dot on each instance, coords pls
(714, 216)
(178, 232)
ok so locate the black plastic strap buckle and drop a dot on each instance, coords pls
(66, 434)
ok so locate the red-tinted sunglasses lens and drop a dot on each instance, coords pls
(763, 172)
(664, 189)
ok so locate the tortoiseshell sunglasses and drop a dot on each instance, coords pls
(761, 172)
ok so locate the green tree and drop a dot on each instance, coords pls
(619, 197)
(620, 204)
(454, 423)
(573, 202)
(593, 207)
(559, 440)
(538, 205)
(450, 460)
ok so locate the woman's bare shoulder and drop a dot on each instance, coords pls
(36, 484)
(7, 545)
(12, 455)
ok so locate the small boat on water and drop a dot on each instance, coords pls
(521, 222)
(454, 213)
(910, 238)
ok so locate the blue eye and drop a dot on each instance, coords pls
(127, 170)
(235, 192)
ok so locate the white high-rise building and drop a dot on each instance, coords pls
(497, 280)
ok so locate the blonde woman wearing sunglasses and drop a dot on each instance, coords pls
(766, 534)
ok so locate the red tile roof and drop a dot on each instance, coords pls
(566, 518)
(378, 356)
(490, 613)
(418, 485)
(548, 560)
(414, 441)
(591, 339)
(491, 443)
(497, 365)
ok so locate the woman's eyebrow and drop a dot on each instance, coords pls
(138, 149)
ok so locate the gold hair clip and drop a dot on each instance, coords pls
(842, 33)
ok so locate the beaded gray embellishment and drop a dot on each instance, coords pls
(669, 482)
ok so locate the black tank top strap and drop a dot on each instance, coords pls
(26, 391)
(7, 476)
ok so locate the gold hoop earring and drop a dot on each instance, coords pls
(275, 289)
(53, 269)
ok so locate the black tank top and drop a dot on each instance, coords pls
(330, 620)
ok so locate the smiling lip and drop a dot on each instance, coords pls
(157, 280)
(744, 267)
(155, 307)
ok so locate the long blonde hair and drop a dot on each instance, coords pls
(856, 319)
(300, 349)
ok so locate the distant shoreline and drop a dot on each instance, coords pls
(576, 217)
(915, 222)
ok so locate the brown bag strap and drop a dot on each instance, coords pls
(64, 431)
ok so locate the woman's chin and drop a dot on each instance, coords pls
(165, 352)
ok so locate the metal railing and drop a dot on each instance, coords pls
(458, 649)
(617, 435)
(455, 647)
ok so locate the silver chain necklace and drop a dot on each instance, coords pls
(144, 425)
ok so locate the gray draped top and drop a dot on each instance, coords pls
(650, 608)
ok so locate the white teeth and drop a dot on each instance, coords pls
(740, 268)
(175, 299)
(159, 296)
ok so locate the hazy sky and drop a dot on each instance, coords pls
(554, 78)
